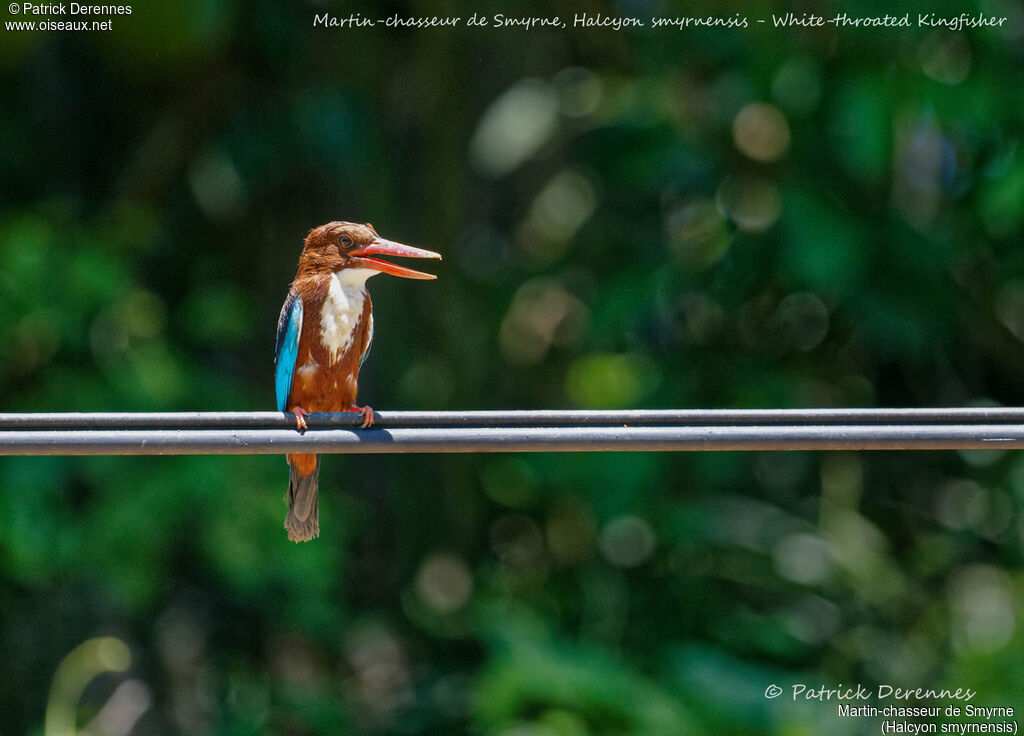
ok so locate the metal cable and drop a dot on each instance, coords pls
(528, 418)
(513, 439)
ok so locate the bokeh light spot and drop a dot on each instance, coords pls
(561, 208)
(514, 127)
(443, 582)
(543, 313)
(753, 204)
(797, 86)
(580, 91)
(803, 558)
(697, 234)
(216, 185)
(517, 540)
(801, 320)
(610, 381)
(982, 600)
(627, 541)
(571, 532)
(509, 481)
(962, 504)
(946, 57)
(761, 132)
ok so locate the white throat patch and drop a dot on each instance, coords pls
(342, 310)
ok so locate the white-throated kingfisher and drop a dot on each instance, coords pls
(323, 337)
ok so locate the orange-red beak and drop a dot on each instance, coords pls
(383, 247)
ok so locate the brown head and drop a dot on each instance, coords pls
(339, 245)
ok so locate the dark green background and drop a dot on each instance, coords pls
(620, 229)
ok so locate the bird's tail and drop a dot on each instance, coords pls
(303, 519)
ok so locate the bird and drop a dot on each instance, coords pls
(323, 337)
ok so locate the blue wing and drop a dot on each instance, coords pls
(289, 327)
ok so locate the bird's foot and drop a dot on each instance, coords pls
(300, 418)
(367, 412)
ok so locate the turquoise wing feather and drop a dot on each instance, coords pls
(289, 327)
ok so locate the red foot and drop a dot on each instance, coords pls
(367, 412)
(300, 418)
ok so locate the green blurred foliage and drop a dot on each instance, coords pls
(714, 218)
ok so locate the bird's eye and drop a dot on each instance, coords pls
(346, 241)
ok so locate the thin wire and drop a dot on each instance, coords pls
(513, 439)
(490, 419)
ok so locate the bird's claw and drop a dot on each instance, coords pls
(367, 412)
(300, 418)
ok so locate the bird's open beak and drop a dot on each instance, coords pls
(383, 247)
